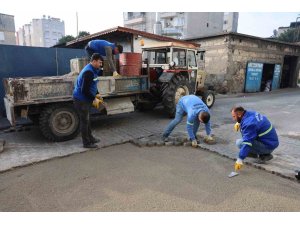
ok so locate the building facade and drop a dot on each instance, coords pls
(230, 21)
(181, 25)
(43, 32)
(241, 63)
(7, 29)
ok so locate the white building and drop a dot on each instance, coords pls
(181, 25)
(7, 29)
(43, 32)
(230, 21)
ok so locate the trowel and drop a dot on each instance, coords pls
(233, 174)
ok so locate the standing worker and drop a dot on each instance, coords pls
(105, 49)
(197, 112)
(85, 95)
(259, 137)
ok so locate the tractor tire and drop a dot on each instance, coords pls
(209, 98)
(59, 122)
(178, 87)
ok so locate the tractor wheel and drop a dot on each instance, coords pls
(178, 87)
(59, 122)
(208, 98)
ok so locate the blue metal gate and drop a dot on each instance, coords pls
(253, 77)
(276, 77)
(23, 61)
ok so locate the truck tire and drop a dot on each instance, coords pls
(208, 98)
(178, 87)
(59, 122)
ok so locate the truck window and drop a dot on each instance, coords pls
(179, 57)
(191, 59)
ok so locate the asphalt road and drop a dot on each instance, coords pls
(129, 178)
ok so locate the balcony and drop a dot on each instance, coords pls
(164, 15)
(135, 20)
(171, 31)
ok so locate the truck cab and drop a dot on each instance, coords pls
(173, 73)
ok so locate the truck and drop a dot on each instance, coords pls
(169, 71)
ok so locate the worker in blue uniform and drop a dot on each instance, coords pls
(85, 95)
(259, 137)
(105, 49)
(196, 112)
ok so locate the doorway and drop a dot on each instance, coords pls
(288, 71)
(267, 77)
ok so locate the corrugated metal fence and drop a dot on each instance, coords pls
(22, 61)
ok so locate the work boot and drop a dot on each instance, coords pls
(263, 158)
(165, 139)
(95, 140)
(90, 145)
(252, 155)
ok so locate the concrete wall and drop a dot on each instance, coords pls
(215, 62)
(226, 59)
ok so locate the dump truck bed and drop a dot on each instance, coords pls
(36, 90)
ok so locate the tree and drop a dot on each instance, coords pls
(290, 35)
(68, 38)
(65, 39)
(82, 34)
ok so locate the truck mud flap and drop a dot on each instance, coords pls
(10, 113)
(118, 105)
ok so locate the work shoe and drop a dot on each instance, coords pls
(95, 140)
(263, 158)
(252, 155)
(165, 139)
(90, 145)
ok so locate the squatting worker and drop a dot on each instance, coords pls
(105, 49)
(259, 137)
(85, 95)
(196, 112)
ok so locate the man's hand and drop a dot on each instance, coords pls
(238, 164)
(236, 126)
(96, 103)
(194, 143)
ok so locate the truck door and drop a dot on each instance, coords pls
(192, 67)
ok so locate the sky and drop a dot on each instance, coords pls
(257, 18)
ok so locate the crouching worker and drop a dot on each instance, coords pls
(259, 137)
(85, 96)
(196, 112)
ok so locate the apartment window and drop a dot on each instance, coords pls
(2, 38)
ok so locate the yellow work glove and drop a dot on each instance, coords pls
(194, 143)
(238, 164)
(237, 126)
(96, 103)
(116, 75)
(208, 138)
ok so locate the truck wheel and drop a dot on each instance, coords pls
(208, 98)
(178, 87)
(59, 122)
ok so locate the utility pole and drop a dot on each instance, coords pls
(77, 24)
